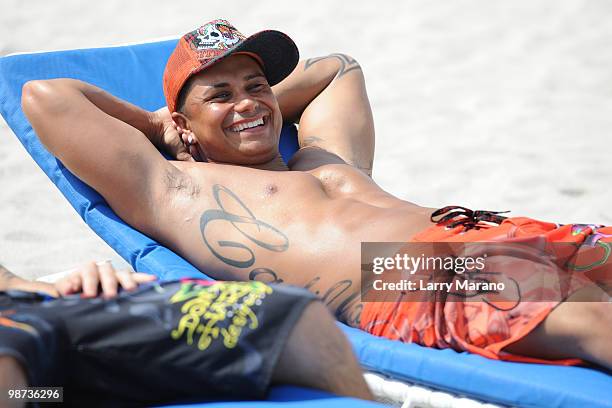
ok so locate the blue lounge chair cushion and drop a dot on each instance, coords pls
(134, 73)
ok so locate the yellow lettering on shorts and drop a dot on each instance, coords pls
(221, 309)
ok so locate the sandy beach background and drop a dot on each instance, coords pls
(485, 103)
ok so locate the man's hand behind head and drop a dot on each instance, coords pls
(168, 138)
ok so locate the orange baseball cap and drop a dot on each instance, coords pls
(201, 48)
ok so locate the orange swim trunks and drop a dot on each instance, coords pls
(481, 327)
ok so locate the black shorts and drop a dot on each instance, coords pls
(162, 342)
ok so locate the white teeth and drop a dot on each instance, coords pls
(248, 125)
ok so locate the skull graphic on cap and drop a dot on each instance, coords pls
(215, 35)
(197, 50)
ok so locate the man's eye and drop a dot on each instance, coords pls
(257, 87)
(220, 96)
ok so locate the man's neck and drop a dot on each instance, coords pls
(276, 164)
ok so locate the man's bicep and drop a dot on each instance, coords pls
(339, 119)
(111, 156)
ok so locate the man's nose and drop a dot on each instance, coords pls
(245, 104)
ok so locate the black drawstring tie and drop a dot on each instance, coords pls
(468, 218)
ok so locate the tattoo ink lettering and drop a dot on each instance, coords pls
(309, 140)
(265, 275)
(237, 221)
(339, 290)
(310, 284)
(347, 64)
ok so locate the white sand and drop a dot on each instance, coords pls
(488, 104)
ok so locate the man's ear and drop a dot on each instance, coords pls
(181, 120)
(184, 125)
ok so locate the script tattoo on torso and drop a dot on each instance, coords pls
(237, 221)
(243, 256)
(349, 308)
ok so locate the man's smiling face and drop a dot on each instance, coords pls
(232, 112)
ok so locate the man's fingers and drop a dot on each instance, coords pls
(130, 280)
(62, 286)
(184, 156)
(76, 283)
(184, 137)
(68, 285)
(89, 277)
(108, 279)
(90, 280)
(180, 150)
(193, 150)
(126, 279)
(140, 277)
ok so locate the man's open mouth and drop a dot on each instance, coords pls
(248, 125)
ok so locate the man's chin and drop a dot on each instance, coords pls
(249, 158)
(259, 159)
(258, 153)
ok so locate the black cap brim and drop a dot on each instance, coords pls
(277, 51)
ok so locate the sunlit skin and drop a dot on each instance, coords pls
(237, 220)
(234, 91)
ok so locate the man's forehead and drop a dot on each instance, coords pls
(234, 68)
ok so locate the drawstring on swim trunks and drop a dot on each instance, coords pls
(469, 218)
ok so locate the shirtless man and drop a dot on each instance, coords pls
(69, 337)
(242, 214)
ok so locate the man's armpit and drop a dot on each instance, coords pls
(311, 141)
(178, 182)
(364, 167)
(310, 157)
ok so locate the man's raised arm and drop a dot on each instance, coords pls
(103, 140)
(327, 97)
